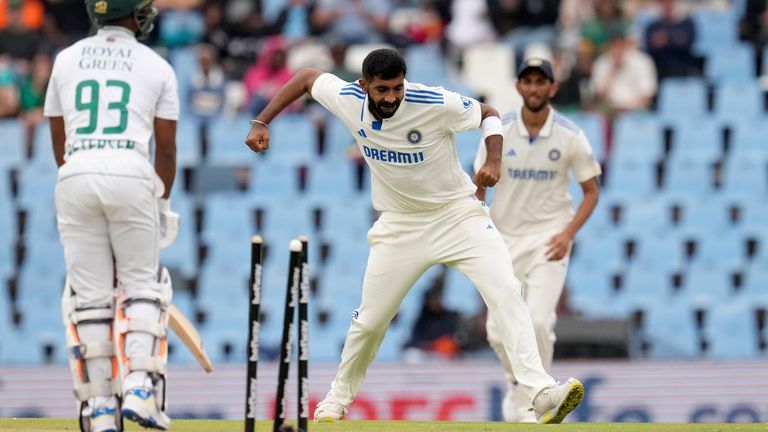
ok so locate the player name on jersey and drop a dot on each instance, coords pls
(106, 58)
(99, 144)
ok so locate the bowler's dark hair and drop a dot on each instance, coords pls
(384, 63)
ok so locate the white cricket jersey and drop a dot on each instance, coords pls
(110, 88)
(412, 155)
(532, 193)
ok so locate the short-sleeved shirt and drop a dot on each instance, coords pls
(532, 193)
(110, 88)
(412, 155)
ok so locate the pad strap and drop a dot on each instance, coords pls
(85, 391)
(92, 314)
(92, 350)
(156, 329)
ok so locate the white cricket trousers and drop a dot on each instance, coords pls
(543, 282)
(106, 208)
(462, 236)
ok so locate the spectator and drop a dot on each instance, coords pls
(237, 29)
(32, 89)
(669, 41)
(353, 21)
(19, 22)
(207, 86)
(534, 22)
(297, 22)
(754, 26)
(267, 75)
(435, 329)
(338, 54)
(596, 31)
(624, 78)
(66, 21)
(470, 25)
(9, 95)
(574, 74)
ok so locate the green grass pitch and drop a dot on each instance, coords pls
(55, 425)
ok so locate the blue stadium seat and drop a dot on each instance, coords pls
(593, 125)
(7, 239)
(43, 254)
(652, 216)
(274, 178)
(226, 141)
(731, 63)
(637, 137)
(591, 291)
(755, 212)
(705, 284)
(659, 322)
(688, 175)
(755, 288)
(658, 250)
(636, 178)
(39, 299)
(29, 347)
(228, 217)
(727, 249)
(645, 286)
(697, 139)
(746, 174)
(597, 252)
(329, 178)
(715, 29)
(702, 214)
(338, 139)
(293, 139)
(37, 182)
(739, 102)
(292, 217)
(731, 330)
(347, 219)
(748, 137)
(188, 142)
(426, 64)
(42, 147)
(13, 144)
(682, 98)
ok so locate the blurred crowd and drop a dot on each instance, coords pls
(604, 60)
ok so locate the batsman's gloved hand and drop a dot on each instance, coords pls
(169, 223)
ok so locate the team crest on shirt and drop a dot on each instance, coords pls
(554, 154)
(467, 102)
(414, 136)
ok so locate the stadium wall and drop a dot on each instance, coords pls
(632, 391)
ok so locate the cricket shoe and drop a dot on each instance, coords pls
(329, 412)
(552, 404)
(103, 419)
(140, 406)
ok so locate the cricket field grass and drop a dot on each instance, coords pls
(51, 425)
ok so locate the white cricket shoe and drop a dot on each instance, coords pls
(140, 406)
(103, 419)
(515, 407)
(552, 404)
(329, 412)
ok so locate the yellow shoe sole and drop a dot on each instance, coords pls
(571, 401)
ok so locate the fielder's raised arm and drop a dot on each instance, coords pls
(300, 84)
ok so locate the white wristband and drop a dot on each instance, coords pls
(491, 126)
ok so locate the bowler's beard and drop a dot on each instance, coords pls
(537, 108)
(375, 108)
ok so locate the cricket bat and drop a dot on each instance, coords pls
(189, 335)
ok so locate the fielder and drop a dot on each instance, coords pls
(532, 210)
(429, 216)
(107, 96)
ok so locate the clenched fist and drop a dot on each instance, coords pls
(258, 138)
(488, 174)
